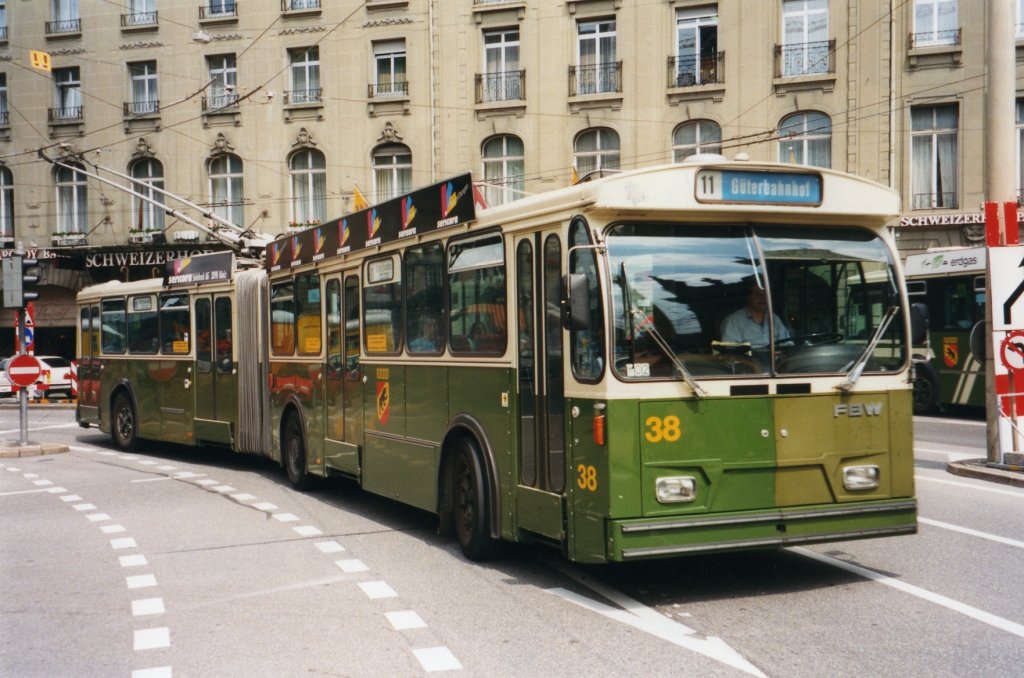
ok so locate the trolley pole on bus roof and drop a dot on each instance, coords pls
(1002, 231)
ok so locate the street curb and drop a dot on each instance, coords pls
(979, 469)
(11, 451)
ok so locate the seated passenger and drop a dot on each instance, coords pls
(749, 325)
(427, 342)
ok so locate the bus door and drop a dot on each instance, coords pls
(215, 376)
(342, 396)
(541, 468)
(89, 363)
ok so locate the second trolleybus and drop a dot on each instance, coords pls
(552, 370)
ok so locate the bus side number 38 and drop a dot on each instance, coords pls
(663, 429)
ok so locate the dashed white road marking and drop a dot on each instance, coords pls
(135, 560)
(42, 483)
(352, 565)
(140, 581)
(404, 620)
(243, 496)
(974, 533)
(924, 594)
(150, 480)
(188, 474)
(330, 547)
(97, 517)
(265, 506)
(84, 507)
(156, 672)
(11, 494)
(123, 543)
(377, 589)
(56, 490)
(30, 475)
(307, 531)
(145, 607)
(112, 529)
(224, 489)
(286, 517)
(437, 659)
(166, 468)
(150, 639)
(981, 488)
(148, 462)
(70, 498)
(207, 481)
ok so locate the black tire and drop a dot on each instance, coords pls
(469, 497)
(294, 451)
(926, 389)
(124, 423)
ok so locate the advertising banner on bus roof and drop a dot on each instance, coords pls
(202, 268)
(442, 205)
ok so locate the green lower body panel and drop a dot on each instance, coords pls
(661, 537)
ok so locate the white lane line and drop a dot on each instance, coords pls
(224, 489)
(151, 639)
(207, 481)
(13, 469)
(650, 621)
(243, 496)
(42, 483)
(377, 589)
(404, 620)
(352, 565)
(265, 506)
(135, 560)
(166, 468)
(148, 462)
(188, 474)
(84, 507)
(973, 533)
(70, 498)
(924, 594)
(11, 494)
(150, 480)
(285, 517)
(97, 517)
(307, 531)
(437, 659)
(147, 606)
(155, 672)
(330, 547)
(29, 476)
(942, 420)
(129, 457)
(123, 543)
(56, 490)
(106, 453)
(980, 488)
(112, 529)
(140, 581)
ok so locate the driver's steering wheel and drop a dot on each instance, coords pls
(813, 339)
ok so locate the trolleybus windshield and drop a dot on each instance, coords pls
(825, 293)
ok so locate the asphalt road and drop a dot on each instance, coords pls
(173, 561)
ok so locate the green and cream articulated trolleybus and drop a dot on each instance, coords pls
(680, 359)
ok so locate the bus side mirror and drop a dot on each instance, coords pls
(978, 341)
(575, 302)
(918, 323)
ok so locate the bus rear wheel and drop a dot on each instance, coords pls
(295, 454)
(470, 500)
(124, 428)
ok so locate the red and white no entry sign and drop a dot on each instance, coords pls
(23, 370)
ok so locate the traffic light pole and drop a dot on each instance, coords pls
(23, 392)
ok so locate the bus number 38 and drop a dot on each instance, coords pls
(663, 429)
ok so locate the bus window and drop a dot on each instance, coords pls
(142, 325)
(352, 327)
(204, 351)
(587, 345)
(113, 328)
(223, 347)
(85, 334)
(382, 306)
(332, 306)
(307, 308)
(476, 295)
(175, 321)
(282, 318)
(424, 283)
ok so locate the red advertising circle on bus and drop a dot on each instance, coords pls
(23, 370)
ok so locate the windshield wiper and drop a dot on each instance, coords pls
(858, 366)
(647, 326)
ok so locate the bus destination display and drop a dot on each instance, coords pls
(761, 188)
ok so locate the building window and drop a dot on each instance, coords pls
(293, 5)
(147, 175)
(66, 18)
(308, 171)
(696, 136)
(144, 98)
(5, 114)
(1019, 32)
(502, 79)
(223, 78)
(67, 94)
(226, 195)
(806, 139)
(933, 140)
(598, 71)
(305, 69)
(3, 20)
(140, 13)
(696, 46)
(6, 203)
(596, 150)
(503, 169)
(71, 200)
(219, 8)
(805, 49)
(392, 171)
(389, 69)
(935, 23)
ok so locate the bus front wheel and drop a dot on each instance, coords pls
(926, 389)
(124, 428)
(295, 454)
(470, 499)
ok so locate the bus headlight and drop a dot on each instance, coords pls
(676, 489)
(860, 477)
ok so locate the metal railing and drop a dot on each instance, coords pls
(693, 71)
(388, 89)
(216, 102)
(504, 86)
(5, 118)
(304, 96)
(64, 26)
(3, 33)
(806, 58)
(934, 38)
(138, 19)
(293, 5)
(142, 107)
(924, 201)
(65, 113)
(218, 11)
(595, 79)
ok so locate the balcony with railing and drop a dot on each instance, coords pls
(65, 114)
(398, 88)
(696, 71)
(604, 78)
(139, 21)
(3, 34)
(63, 28)
(500, 87)
(5, 118)
(141, 108)
(218, 12)
(294, 8)
(948, 38)
(942, 200)
(805, 58)
(301, 97)
(218, 102)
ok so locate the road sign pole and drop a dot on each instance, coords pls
(23, 393)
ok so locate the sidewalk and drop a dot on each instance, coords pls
(12, 450)
(979, 468)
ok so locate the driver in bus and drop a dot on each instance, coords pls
(749, 325)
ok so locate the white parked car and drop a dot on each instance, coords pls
(54, 381)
